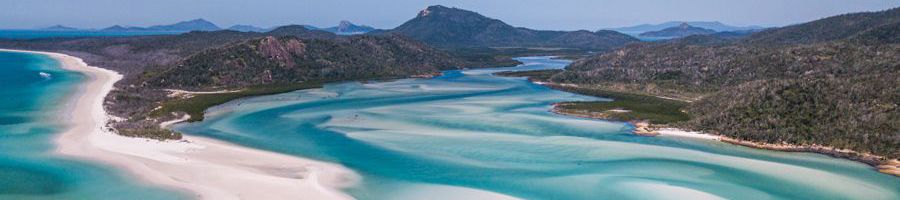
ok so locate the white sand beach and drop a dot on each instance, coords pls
(206, 168)
(689, 134)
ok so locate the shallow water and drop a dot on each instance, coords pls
(469, 129)
(29, 120)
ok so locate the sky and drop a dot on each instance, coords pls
(537, 14)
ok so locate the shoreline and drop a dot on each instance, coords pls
(890, 167)
(201, 167)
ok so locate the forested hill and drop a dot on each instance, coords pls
(130, 55)
(831, 82)
(290, 59)
(452, 27)
(868, 27)
(284, 59)
(682, 30)
(705, 63)
(144, 58)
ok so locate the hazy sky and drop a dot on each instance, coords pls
(539, 14)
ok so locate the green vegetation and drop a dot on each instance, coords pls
(152, 132)
(679, 31)
(289, 59)
(486, 60)
(859, 113)
(830, 82)
(263, 63)
(453, 27)
(196, 105)
(624, 107)
(534, 75)
(503, 56)
(639, 107)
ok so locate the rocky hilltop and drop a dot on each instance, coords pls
(348, 28)
(453, 27)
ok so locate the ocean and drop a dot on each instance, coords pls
(467, 132)
(37, 34)
(33, 91)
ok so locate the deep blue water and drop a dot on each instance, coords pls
(35, 34)
(29, 120)
(412, 138)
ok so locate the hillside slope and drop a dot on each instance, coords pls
(828, 82)
(831, 28)
(284, 59)
(453, 27)
(290, 59)
(682, 30)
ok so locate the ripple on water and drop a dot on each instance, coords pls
(469, 130)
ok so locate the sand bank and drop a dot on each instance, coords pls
(203, 167)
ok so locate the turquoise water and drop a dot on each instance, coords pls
(29, 104)
(34, 34)
(469, 129)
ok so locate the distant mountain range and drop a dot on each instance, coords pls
(343, 28)
(348, 28)
(59, 28)
(118, 28)
(192, 25)
(453, 27)
(682, 30)
(715, 26)
(184, 26)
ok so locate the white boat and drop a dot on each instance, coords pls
(44, 74)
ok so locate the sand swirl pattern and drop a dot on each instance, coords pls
(468, 134)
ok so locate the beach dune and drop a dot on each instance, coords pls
(201, 167)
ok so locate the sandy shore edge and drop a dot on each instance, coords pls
(202, 167)
(891, 167)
